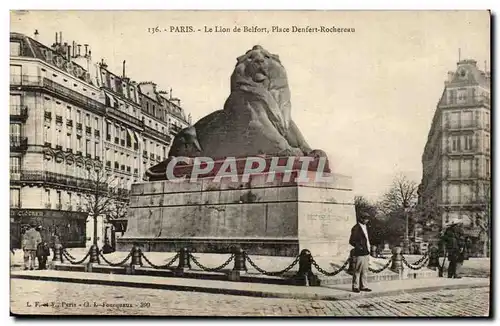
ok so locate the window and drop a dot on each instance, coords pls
(59, 198)
(78, 116)
(68, 141)
(467, 119)
(69, 198)
(465, 193)
(487, 120)
(462, 96)
(466, 168)
(487, 142)
(15, 49)
(87, 120)
(87, 146)
(455, 120)
(15, 74)
(15, 164)
(164, 152)
(468, 142)
(68, 112)
(488, 171)
(15, 104)
(47, 196)
(454, 167)
(108, 130)
(96, 124)
(455, 143)
(96, 149)
(79, 143)
(156, 126)
(453, 193)
(15, 132)
(15, 198)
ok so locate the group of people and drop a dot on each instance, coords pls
(453, 242)
(34, 246)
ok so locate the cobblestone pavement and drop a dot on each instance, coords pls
(42, 297)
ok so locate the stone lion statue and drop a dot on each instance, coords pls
(256, 118)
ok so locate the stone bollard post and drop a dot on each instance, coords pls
(373, 251)
(136, 259)
(239, 264)
(94, 258)
(397, 261)
(58, 248)
(305, 276)
(184, 261)
(433, 257)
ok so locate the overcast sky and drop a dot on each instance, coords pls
(366, 98)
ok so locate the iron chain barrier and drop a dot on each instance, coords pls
(68, 254)
(115, 264)
(215, 269)
(322, 271)
(72, 261)
(278, 273)
(414, 267)
(167, 265)
(376, 271)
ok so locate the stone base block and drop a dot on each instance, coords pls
(277, 218)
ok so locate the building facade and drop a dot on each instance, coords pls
(69, 116)
(456, 159)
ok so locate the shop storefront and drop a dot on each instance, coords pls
(69, 226)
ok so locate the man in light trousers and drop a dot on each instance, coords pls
(31, 239)
(361, 254)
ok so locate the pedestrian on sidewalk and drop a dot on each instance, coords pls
(42, 252)
(361, 254)
(31, 239)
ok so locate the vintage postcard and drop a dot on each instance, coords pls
(250, 163)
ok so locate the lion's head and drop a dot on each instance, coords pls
(261, 72)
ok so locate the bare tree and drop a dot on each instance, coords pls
(104, 198)
(480, 217)
(401, 196)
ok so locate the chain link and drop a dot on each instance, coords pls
(215, 269)
(376, 271)
(322, 271)
(68, 254)
(115, 264)
(167, 265)
(413, 267)
(71, 261)
(278, 273)
(421, 259)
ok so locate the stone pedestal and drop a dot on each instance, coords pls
(278, 218)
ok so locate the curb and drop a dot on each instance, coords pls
(290, 295)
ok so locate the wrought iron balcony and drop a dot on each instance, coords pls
(69, 123)
(58, 119)
(97, 133)
(47, 177)
(88, 155)
(18, 144)
(158, 157)
(88, 130)
(47, 115)
(122, 142)
(18, 113)
(117, 140)
(47, 144)
(145, 154)
(131, 119)
(157, 134)
(79, 126)
(117, 165)
(59, 147)
(136, 171)
(468, 101)
(108, 137)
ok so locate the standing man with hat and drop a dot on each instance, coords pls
(361, 254)
(31, 239)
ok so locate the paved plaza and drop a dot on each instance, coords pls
(45, 297)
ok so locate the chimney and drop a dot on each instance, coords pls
(56, 39)
(36, 35)
(60, 37)
(86, 49)
(69, 52)
(123, 75)
(73, 53)
(79, 49)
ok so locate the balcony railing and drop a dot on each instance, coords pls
(108, 137)
(18, 113)
(152, 156)
(122, 142)
(58, 119)
(468, 101)
(124, 116)
(158, 157)
(136, 171)
(145, 154)
(59, 147)
(46, 177)
(47, 115)
(18, 143)
(79, 126)
(157, 134)
(117, 140)
(88, 130)
(97, 133)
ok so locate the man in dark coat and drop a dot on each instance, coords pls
(454, 241)
(361, 254)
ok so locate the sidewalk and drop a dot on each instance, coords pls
(334, 292)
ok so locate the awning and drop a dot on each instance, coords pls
(111, 100)
(132, 136)
(136, 136)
